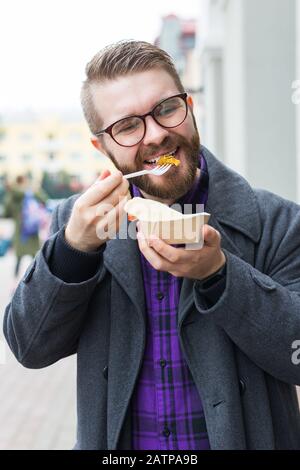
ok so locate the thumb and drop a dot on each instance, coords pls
(211, 236)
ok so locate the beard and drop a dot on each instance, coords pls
(176, 183)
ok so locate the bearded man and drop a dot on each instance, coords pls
(176, 349)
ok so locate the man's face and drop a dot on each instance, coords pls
(137, 94)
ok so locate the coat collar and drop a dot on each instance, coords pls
(122, 259)
(231, 200)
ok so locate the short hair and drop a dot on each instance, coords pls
(121, 59)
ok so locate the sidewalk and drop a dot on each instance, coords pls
(38, 409)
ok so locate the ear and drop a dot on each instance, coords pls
(98, 145)
(190, 102)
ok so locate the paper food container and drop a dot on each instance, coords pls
(168, 224)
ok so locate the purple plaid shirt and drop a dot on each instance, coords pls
(166, 407)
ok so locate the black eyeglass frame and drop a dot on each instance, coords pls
(108, 129)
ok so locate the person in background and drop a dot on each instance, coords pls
(25, 240)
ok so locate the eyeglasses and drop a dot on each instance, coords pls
(131, 130)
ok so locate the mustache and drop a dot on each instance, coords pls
(168, 143)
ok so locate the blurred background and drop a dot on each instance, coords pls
(239, 59)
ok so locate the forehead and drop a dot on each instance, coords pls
(132, 94)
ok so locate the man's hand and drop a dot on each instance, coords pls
(193, 264)
(98, 210)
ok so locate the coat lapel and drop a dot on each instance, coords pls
(209, 351)
(186, 299)
(231, 202)
(122, 259)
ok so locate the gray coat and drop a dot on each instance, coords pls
(239, 351)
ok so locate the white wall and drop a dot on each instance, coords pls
(256, 42)
(210, 45)
(269, 51)
(298, 93)
(234, 90)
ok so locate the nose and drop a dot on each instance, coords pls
(155, 134)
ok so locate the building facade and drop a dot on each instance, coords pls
(249, 60)
(31, 144)
(178, 37)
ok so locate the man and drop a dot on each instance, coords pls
(176, 349)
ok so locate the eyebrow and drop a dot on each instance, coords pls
(137, 114)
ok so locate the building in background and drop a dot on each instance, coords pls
(178, 38)
(296, 95)
(46, 143)
(248, 61)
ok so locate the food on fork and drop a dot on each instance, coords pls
(168, 159)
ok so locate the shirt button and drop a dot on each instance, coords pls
(166, 432)
(163, 363)
(159, 295)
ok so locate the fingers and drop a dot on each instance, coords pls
(211, 236)
(112, 199)
(178, 261)
(98, 191)
(158, 263)
(171, 254)
(109, 225)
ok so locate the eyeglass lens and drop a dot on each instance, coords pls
(168, 113)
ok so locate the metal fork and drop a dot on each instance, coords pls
(158, 171)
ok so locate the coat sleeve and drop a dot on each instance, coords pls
(44, 319)
(260, 311)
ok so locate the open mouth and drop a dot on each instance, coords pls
(151, 163)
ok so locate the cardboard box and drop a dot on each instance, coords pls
(168, 224)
